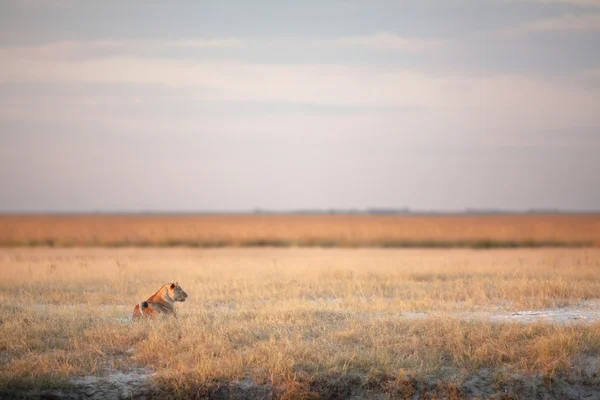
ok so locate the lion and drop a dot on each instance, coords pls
(161, 302)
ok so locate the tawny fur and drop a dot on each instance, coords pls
(161, 302)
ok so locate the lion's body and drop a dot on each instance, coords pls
(161, 302)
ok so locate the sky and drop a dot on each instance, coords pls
(275, 105)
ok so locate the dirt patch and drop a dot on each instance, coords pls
(485, 383)
(135, 384)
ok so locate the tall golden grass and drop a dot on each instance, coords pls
(525, 230)
(288, 317)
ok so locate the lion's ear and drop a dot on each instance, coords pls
(173, 285)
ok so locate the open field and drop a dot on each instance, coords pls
(302, 323)
(355, 230)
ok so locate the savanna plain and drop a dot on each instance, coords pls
(352, 319)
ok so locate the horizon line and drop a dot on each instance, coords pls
(310, 211)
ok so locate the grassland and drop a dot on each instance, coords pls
(401, 231)
(303, 322)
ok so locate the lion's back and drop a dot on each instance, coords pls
(150, 309)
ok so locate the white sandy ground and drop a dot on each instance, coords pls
(133, 384)
(585, 311)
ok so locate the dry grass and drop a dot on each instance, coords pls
(289, 316)
(300, 230)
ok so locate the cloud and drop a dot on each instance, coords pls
(233, 81)
(103, 48)
(72, 48)
(382, 41)
(44, 4)
(218, 80)
(584, 3)
(566, 22)
(509, 100)
(593, 73)
(588, 22)
(192, 43)
(505, 100)
(190, 48)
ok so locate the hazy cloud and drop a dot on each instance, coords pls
(41, 4)
(71, 48)
(585, 3)
(383, 41)
(311, 83)
(567, 22)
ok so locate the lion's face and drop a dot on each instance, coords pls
(176, 292)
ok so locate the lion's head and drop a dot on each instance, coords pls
(176, 292)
